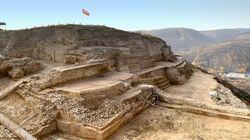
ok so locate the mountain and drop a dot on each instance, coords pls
(215, 50)
(231, 56)
(223, 35)
(184, 39)
(181, 39)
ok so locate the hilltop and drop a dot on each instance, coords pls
(87, 82)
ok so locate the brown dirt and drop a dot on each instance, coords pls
(196, 87)
(158, 123)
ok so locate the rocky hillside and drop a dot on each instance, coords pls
(224, 35)
(182, 39)
(231, 56)
(209, 49)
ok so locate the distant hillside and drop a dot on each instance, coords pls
(231, 56)
(216, 50)
(184, 39)
(181, 39)
(223, 35)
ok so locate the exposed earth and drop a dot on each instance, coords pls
(94, 82)
(159, 123)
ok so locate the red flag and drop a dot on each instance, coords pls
(85, 12)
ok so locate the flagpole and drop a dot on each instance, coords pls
(86, 13)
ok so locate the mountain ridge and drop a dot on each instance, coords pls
(209, 48)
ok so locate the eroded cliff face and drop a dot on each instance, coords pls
(59, 43)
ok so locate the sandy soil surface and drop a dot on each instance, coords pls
(196, 87)
(158, 123)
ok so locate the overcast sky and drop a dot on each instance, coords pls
(128, 14)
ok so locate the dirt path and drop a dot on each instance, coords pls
(157, 123)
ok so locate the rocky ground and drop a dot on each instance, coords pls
(5, 134)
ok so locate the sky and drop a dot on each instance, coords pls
(128, 14)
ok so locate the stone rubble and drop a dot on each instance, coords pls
(6, 134)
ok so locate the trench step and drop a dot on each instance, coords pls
(119, 110)
(161, 81)
(106, 86)
(164, 85)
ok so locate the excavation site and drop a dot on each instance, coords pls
(77, 82)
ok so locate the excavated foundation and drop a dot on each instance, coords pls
(97, 79)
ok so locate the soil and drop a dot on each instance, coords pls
(199, 86)
(158, 123)
(4, 82)
(196, 87)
